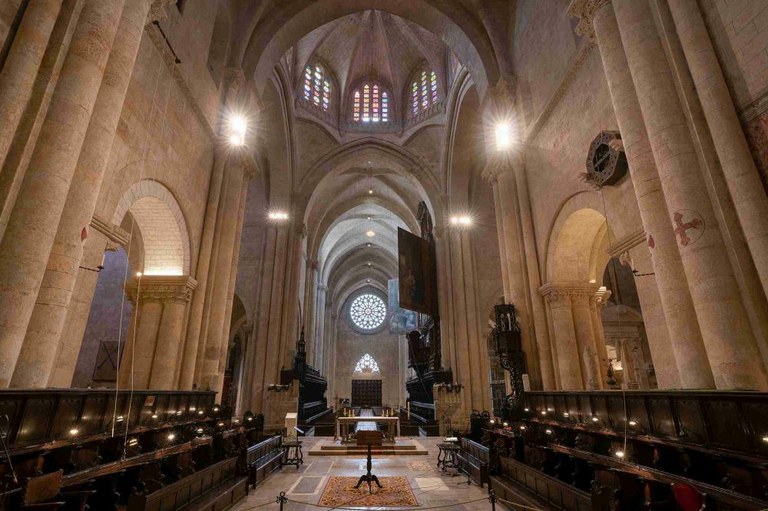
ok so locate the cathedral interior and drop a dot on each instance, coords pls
(500, 253)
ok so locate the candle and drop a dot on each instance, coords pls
(409, 410)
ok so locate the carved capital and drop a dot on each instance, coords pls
(161, 288)
(572, 293)
(585, 11)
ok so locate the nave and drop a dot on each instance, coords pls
(242, 241)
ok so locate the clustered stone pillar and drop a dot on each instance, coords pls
(311, 311)
(216, 327)
(471, 347)
(579, 349)
(513, 260)
(742, 178)
(33, 223)
(151, 352)
(684, 332)
(711, 282)
(48, 317)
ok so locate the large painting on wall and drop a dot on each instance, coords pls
(416, 273)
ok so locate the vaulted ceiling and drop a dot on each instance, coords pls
(371, 45)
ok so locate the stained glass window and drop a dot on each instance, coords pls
(366, 365)
(367, 312)
(371, 104)
(423, 91)
(317, 87)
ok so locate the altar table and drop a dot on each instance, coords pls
(343, 423)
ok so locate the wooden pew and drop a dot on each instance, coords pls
(262, 459)
(474, 459)
(187, 490)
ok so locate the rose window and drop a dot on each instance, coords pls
(367, 312)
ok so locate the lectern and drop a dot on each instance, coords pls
(369, 438)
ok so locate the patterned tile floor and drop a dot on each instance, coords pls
(433, 488)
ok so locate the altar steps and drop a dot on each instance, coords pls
(336, 448)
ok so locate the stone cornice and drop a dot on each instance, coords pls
(626, 243)
(585, 10)
(569, 288)
(157, 10)
(161, 288)
(111, 231)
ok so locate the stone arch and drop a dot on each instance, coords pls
(162, 226)
(577, 248)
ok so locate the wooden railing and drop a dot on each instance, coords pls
(474, 459)
(263, 458)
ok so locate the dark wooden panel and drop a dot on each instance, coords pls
(366, 393)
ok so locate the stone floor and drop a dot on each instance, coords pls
(433, 489)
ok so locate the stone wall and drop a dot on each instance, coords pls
(163, 140)
(351, 345)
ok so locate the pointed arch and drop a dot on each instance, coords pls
(367, 364)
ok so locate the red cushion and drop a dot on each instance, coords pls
(688, 497)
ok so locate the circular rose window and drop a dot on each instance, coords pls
(367, 312)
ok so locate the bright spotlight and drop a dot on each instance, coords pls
(370, 234)
(370, 191)
(463, 220)
(237, 127)
(503, 136)
(279, 216)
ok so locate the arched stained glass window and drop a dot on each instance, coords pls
(370, 104)
(317, 86)
(423, 91)
(366, 365)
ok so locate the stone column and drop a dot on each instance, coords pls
(513, 260)
(741, 176)
(586, 339)
(711, 281)
(211, 223)
(267, 338)
(219, 280)
(150, 353)
(21, 66)
(684, 334)
(564, 335)
(224, 346)
(176, 293)
(319, 327)
(139, 348)
(311, 310)
(502, 236)
(596, 302)
(34, 220)
(48, 317)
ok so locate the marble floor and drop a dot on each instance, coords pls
(433, 489)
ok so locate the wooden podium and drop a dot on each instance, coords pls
(369, 438)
